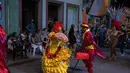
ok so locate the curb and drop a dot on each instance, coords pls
(23, 62)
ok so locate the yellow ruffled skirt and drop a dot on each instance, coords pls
(59, 64)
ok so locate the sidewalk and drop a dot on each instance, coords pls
(20, 60)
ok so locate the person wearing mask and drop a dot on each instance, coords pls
(31, 27)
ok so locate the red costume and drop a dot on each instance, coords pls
(90, 47)
(3, 67)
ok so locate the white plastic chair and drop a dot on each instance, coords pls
(37, 46)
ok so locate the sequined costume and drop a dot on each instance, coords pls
(3, 67)
(56, 55)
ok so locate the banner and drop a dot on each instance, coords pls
(99, 7)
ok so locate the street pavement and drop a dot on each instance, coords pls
(121, 65)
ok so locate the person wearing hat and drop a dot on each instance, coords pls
(56, 55)
(89, 46)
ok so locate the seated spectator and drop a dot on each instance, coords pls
(9, 43)
(44, 37)
(17, 43)
(35, 44)
(22, 37)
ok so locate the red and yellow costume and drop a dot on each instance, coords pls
(89, 46)
(56, 56)
(3, 67)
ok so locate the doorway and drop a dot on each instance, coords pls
(72, 17)
(29, 12)
(55, 13)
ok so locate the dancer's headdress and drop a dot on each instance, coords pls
(57, 27)
(114, 13)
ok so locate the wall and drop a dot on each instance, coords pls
(2, 15)
(43, 13)
(13, 16)
(75, 2)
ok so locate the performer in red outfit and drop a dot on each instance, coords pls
(89, 46)
(3, 67)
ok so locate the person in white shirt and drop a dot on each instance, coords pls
(35, 44)
(44, 37)
(10, 47)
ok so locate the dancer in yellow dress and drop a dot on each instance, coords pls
(56, 55)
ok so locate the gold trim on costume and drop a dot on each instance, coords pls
(85, 33)
(90, 47)
(52, 34)
(85, 25)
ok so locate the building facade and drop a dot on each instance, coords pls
(19, 13)
(2, 14)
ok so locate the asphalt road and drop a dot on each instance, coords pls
(121, 65)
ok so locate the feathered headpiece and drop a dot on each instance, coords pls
(57, 26)
(116, 24)
(84, 24)
(115, 13)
